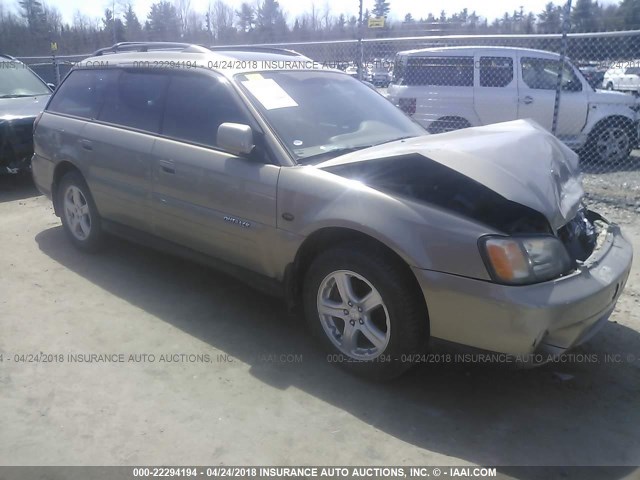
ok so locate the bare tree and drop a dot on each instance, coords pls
(184, 8)
(53, 18)
(221, 17)
(327, 20)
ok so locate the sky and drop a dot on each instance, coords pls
(399, 8)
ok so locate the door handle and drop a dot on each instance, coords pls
(527, 100)
(86, 144)
(167, 166)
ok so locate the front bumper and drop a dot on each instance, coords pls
(16, 145)
(547, 317)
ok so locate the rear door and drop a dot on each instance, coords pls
(537, 79)
(203, 197)
(496, 88)
(120, 143)
(113, 148)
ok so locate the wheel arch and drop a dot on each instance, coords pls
(61, 169)
(325, 238)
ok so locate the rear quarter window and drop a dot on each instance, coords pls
(83, 93)
(438, 71)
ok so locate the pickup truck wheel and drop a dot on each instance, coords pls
(365, 310)
(79, 214)
(611, 142)
(609, 86)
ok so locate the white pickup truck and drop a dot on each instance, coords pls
(456, 87)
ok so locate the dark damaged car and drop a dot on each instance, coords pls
(314, 186)
(23, 95)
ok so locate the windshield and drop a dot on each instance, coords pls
(16, 80)
(319, 115)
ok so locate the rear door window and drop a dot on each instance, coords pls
(496, 71)
(83, 93)
(438, 71)
(197, 105)
(137, 101)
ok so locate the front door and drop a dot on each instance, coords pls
(203, 197)
(119, 143)
(537, 91)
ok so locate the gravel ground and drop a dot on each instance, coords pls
(617, 187)
(248, 405)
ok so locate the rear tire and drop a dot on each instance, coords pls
(366, 311)
(79, 214)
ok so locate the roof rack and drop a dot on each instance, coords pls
(7, 56)
(146, 46)
(254, 49)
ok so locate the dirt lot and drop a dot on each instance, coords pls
(249, 404)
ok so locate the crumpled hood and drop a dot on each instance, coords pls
(519, 160)
(22, 107)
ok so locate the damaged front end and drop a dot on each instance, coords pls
(512, 177)
(580, 235)
(416, 177)
(16, 145)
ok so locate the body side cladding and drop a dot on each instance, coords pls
(262, 283)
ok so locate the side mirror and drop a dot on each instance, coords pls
(52, 86)
(235, 138)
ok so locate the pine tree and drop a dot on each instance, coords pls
(246, 17)
(583, 16)
(163, 22)
(550, 20)
(381, 8)
(132, 27)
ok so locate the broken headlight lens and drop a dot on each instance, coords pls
(524, 260)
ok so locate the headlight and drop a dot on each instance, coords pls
(523, 260)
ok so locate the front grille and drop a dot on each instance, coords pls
(17, 133)
(16, 142)
(20, 133)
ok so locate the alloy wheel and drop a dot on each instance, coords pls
(612, 144)
(353, 315)
(76, 211)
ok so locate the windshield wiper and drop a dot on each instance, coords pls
(334, 153)
(396, 139)
(344, 150)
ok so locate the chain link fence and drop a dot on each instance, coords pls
(582, 87)
(52, 69)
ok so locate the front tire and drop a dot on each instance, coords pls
(79, 214)
(610, 142)
(366, 310)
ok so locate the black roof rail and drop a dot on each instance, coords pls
(254, 49)
(146, 46)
